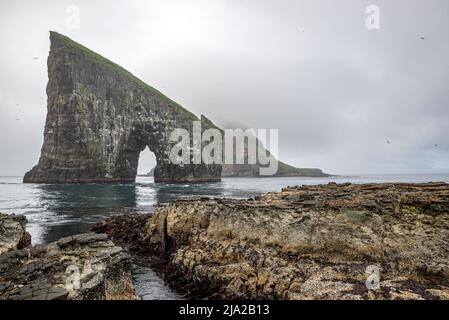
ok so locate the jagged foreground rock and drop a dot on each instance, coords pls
(311, 242)
(100, 117)
(86, 266)
(13, 234)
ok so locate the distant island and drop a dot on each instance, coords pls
(149, 174)
(252, 171)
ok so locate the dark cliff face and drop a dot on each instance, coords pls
(100, 117)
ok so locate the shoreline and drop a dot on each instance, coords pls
(308, 242)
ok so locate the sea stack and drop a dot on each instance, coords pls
(100, 117)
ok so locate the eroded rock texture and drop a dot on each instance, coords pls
(311, 242)
(86, 266)
(13, 234)
(100, 117)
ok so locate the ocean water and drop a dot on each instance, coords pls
(55, 211)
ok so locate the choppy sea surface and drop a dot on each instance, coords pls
(55, 211)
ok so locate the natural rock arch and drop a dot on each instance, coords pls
(100, 117)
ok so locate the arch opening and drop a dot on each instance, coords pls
(147, 163)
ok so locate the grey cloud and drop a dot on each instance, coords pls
(336, 91)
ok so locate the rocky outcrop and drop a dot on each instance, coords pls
(86, 266)
(372, 241)
(100, 117)
(13, 234)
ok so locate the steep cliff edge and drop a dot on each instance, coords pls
(100, 117)
(373, 241)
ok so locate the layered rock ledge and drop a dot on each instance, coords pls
(86, 266)
(310, 242)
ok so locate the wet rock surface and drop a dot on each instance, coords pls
(310, 242)
(13, 234)
(85, 266)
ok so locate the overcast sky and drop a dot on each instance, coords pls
(337, 92)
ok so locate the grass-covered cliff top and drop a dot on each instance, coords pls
(288, 170)
(56, 37)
